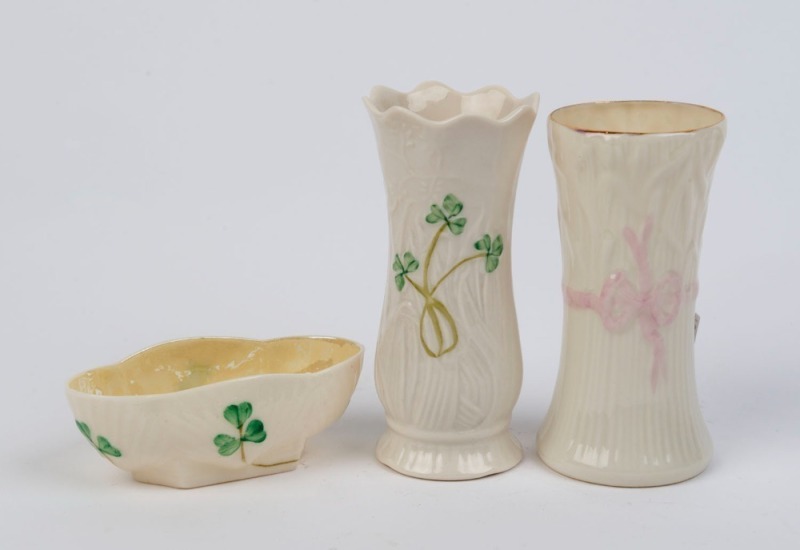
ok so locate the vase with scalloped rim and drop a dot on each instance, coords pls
(448, 365)
(633, 183)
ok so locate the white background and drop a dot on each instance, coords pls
(175, 169)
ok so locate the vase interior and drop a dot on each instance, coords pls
(436, 102)
(637, 117)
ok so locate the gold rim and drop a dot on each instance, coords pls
(596, 129)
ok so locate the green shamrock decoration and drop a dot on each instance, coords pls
(411, 265)
(493, 251)
(103, 445)
(237, 415)
(434, 313)
(451, 207)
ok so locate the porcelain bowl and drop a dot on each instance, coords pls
(201, 411)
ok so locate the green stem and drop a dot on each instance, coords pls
(429, 255)
(452, 269)
(437, 327)
(433, 309)
(425, 346)
(416, 286)
(450, 321)
(276, 464)
(241, 445)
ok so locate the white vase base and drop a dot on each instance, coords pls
(616, 478)
(450, 460)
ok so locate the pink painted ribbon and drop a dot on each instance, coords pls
(654, 304)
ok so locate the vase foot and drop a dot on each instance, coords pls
(654, 476)
(449, 460)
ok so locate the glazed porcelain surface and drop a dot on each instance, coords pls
(633, 184)
(209, 410)
(448, 365)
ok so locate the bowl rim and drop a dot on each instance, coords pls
(208, 387)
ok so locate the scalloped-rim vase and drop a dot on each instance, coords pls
(448, 365)
(633, 183)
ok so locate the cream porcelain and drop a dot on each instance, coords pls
(448, 365)
(633, 183)
(208, 410)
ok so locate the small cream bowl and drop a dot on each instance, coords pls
(201, 411)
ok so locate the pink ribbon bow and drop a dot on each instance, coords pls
(654, 304)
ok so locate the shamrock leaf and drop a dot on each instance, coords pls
(436, 215)
(226, 444)
(408, 264)
(400, 281)
(493, 251)
(84, 428)
(411, 262)
(452, 205)
(105, 447)
(497, 246)
(484, 244)
(456, 226)
(255, 432)
(238, 414)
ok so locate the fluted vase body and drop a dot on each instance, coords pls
(448, 366)
(633, 184)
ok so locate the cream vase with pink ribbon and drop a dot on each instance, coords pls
(633, 183)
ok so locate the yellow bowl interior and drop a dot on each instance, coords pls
(186, 364)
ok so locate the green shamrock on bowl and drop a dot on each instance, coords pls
(254, 432)
(103, 445)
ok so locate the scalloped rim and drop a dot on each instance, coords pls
(209, 387)
(524, 104)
